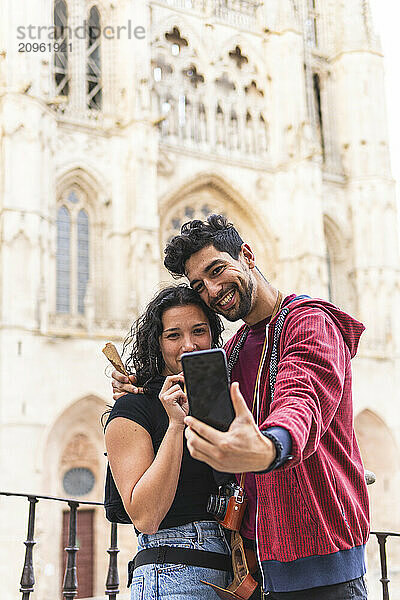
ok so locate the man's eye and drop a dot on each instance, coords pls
(217, 270)
(199, 288)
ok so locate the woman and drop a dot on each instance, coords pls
(164, 490)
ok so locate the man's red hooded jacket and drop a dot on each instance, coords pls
(313, 512)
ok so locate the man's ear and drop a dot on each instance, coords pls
(248, 256)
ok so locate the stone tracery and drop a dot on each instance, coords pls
(224, 112)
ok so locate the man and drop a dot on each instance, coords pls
(308, 504)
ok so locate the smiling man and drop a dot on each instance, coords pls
(228, 289)
(308, 510)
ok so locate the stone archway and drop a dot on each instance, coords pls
(75, 439)
(380, 455)
(208, 193)
(74, 448)
(340, 283)
(76, 434)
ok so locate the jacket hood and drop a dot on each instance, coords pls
(350, 328)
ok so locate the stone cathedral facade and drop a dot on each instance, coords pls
(125, 120)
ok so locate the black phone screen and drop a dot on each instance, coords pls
(207, 387)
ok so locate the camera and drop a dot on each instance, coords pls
(228, 506)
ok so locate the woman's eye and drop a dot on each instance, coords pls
(200, 331)
(172, 336)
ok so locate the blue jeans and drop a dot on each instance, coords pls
(181, 582)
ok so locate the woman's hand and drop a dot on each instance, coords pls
(174, 399)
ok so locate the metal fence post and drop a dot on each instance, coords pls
(382, 537)
(70, 585)
(112, 583)
(28, 577)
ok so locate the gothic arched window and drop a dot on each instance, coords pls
(219, 125)
(63, 260)
(338, 266)
(60, 61)
(73, 254)
(329, 270)
(318, 112)
(94, 87)
(234, 129)
(262, 134)
(82, 258)
(201, 131)
(312, 24)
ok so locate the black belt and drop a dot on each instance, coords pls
(177, 556)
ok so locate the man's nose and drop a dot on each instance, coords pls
(213, 289)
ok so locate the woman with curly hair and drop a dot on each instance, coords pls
(163, 489)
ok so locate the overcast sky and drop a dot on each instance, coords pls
(386, 15)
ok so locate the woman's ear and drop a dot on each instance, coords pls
(248, 256)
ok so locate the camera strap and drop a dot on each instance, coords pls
(260, 367)
(234, 355)
(243, 584)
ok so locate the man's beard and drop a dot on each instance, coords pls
(244, 306)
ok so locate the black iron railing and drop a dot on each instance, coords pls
(382, 537)
(70, 582)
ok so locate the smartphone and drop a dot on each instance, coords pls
(207, 387)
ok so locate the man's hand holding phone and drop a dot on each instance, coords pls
(241, 449)
(207, 386)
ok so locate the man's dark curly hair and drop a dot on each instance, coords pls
(195, 235)
(142, 344)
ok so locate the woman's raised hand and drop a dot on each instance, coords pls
(174, 399)
(121, 385)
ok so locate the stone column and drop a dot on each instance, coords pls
(297, 182)
(138, 220)
(363, 139)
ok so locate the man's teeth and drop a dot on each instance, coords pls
(227, 298)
